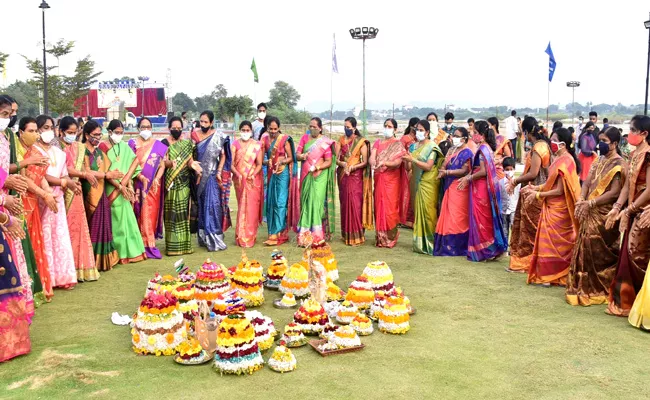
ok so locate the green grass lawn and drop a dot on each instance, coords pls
(479, 332)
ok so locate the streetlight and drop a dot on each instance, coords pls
(363, 34)
(44, 6)
(647, 74)
(573, 85)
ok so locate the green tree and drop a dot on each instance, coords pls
(290, 115)
(183, 102)
(205, 102)
(227, 107)
(60, 49)
(219, 92)
(27, 97)
(3, 61)
(283, 95)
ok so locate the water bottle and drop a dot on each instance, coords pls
(211, 323)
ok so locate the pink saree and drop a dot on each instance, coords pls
(248, 192)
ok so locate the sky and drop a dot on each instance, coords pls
(465, 53)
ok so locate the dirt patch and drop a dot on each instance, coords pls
(52, 365)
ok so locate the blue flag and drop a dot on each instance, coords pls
(551, 62)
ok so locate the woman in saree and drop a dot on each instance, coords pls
(247, 158)
(504, 147)
(406, 214)
(82, 248)
(213, 152)
(386, 162)
(634, 254)
(524, 226)
(56, 237)
(587, 144)
(317, 213)
(281, 171)
(178, 176)
(452, 230)
(98, 209)
(424, 159)
(437, 134)
(557, 228)
(595, 254)
(148, 193)
(487, 239)
(127, 238)
(37, 188)
(355, 184)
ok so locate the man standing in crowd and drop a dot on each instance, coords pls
(511, 131)
(184, 121)
(605, 123)
(593, 117)
(449, 127)
(258, 124)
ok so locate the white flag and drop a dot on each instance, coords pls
(335, 67)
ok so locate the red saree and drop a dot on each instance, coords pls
(388, 185)
(355, 192)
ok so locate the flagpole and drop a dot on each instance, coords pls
(548, 101)
(331, 98)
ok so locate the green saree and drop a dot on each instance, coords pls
(425, 188)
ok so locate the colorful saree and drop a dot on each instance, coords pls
(452, 230)
(425, 187)
(127, 238)
(280, 213)
(249, 193)
(635, 253)
(388, 191)
(557, 227)
(149, 199)
(82, 248)
(317, 211)
(56, 237)
(406, 215)
(442, 135)
(524, 226)
(355, 191)
(504, 149)
(33, 219)
(210, 192)
(487, 239)
(176, 211)
(98, 212)
(595, 254)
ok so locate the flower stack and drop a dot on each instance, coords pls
(158, 327)
(249, 280)
(237, 350)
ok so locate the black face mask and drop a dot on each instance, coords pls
(12, 121)
(175, 134)
(205, 129)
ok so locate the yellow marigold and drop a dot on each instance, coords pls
(170, 338)
(136, 338)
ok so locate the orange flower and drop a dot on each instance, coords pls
(136, 338)
(170, 338)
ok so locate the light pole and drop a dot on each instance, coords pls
(647, 74)
(363, 34)
(573, 85)
(44, 6)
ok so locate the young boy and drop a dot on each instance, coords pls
(509, 202)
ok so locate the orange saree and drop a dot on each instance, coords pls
(249, 193)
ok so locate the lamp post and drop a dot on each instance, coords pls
(573, 85)
(44, 6)
(363, 34)
(647, 74)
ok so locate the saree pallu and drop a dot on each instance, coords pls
(388, 187)
(14, 318)
(281, 185)
(355, 192)
(406, 214)
(149, 199)
(557, 228)
(56, 237)
(98, 212)
(34, 227)
(524, 226)
(452, 229)
(176, 210)
(425, 187)
(595, 254)
(82, 248)
(635, 253)
(442, 135)
(249, 193)
(316, 190)
(209, 192)
(127, 238)
(585, 163)
(487, 239)
(504, 146)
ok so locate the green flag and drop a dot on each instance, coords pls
(254, 69)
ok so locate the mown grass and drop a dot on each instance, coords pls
(479, 332)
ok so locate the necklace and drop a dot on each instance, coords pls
(600, 167)
(117, 152)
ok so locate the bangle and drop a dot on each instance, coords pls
(616, 206)
(592, 203)
(6, 219)
(537, 196)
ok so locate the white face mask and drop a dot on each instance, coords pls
(261, 115)
(4, 123)
(457, 141)
(434, 126)
(69, 139)
(117, 138)
(47, 136)
(146, 134)
(389, 132)
(420, 136)
(510, 174)
(448, 125)
(245, 135)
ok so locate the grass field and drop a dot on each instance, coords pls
(479, 332)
